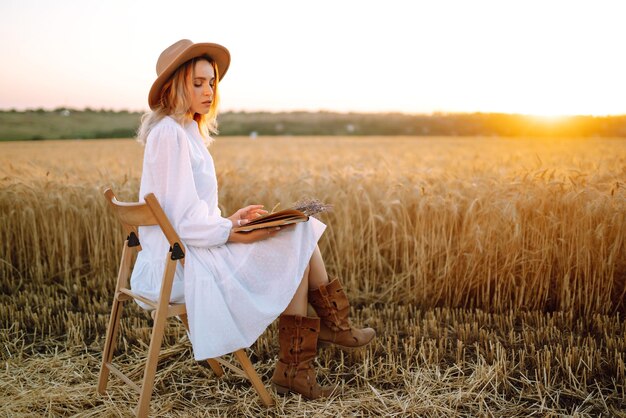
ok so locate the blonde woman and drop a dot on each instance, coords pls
(234, 284)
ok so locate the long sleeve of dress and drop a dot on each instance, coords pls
(168, 174)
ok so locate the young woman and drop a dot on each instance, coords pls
(234, 284)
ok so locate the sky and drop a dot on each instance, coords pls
(547, 57)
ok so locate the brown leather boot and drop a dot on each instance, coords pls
(298, 346)
(332, 305)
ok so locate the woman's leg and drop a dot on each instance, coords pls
(297, 338)
(298, 304)
(314, 276)
(317, 273)
(331, 304)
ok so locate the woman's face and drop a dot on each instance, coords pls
(202, 83)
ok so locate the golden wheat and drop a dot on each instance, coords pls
(457, 250)
(490, 224)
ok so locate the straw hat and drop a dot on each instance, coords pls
(177, 54)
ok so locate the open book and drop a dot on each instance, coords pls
(283, 217)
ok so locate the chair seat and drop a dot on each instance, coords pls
(173, 309)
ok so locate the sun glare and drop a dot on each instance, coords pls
(549, 119)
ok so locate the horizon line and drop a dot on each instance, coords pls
(361, 112)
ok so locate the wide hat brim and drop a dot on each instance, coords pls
(179, 53)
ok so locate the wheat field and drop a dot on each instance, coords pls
(493, 269)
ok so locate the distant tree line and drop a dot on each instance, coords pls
(462, 124)
(89, 123)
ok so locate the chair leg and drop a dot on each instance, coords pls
(150, 371)
(254, 378)
(216, 367)
(109, 344)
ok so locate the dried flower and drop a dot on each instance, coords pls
(311, 207)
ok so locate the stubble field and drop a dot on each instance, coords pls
(494, 271)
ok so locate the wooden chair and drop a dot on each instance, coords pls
(133, 215)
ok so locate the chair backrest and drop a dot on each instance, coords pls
(148, 213)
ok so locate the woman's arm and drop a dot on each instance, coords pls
(168, 174)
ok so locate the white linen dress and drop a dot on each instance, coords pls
(233, 291)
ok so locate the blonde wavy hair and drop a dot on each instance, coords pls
(175, 101)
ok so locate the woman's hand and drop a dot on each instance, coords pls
(245, 215)
(257, 234)
(253, 236)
